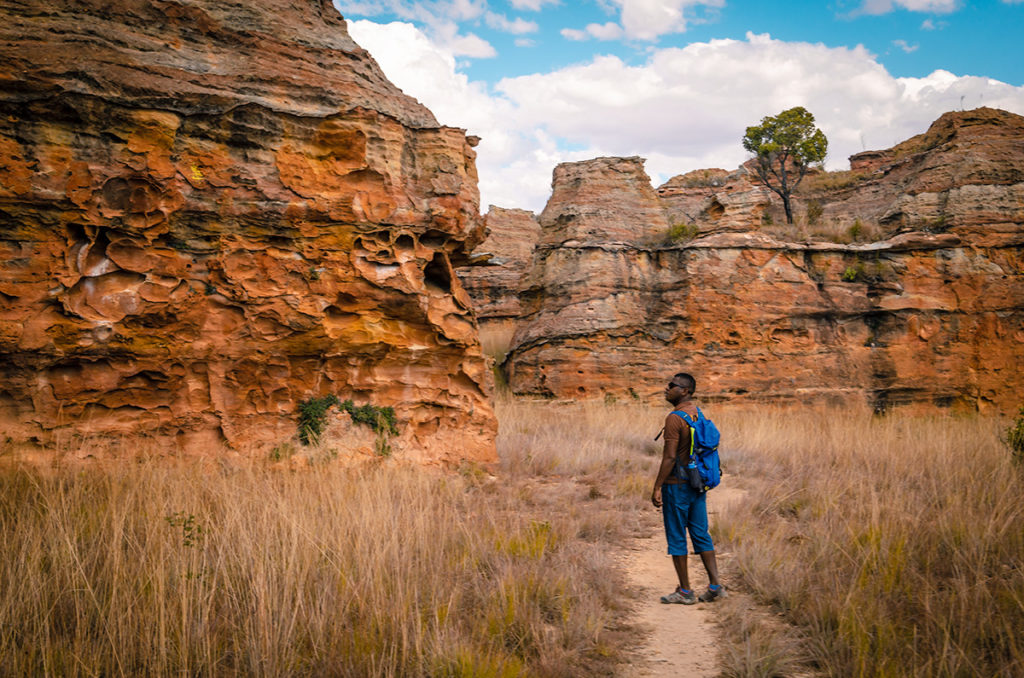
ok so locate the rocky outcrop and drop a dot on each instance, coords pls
(214, 211)
(605, 199)
(711, 201)
(931, 314)
(499, 264)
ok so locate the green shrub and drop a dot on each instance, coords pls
(856, 229)
(854, 272)
(682, 232)
(380, 419)
(313, 417)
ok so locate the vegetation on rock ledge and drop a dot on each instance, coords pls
(313, 417)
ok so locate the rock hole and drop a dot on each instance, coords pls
(405, 243)
(434, 239)
(437, 274)
(715, 210)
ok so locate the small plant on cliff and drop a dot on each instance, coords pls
(380, 419)
(682, 232)
(814, 212)
(313, 417)
(856, 229)
(854, 272)
(1015, 439)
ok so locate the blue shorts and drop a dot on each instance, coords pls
(683, 509)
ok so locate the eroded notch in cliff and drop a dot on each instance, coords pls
(437, 274)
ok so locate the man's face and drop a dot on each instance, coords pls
(674, 392)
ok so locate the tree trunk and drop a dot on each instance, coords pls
(788, 207)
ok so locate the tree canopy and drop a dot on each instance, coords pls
(786, 145)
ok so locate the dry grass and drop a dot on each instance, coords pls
(831, 229)
(892, 546)
(896, 544)
(542, 437)
(164, 569)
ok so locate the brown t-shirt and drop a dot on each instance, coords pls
(678, 431)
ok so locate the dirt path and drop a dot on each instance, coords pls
(681, 639)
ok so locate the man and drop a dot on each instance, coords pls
(682, 507)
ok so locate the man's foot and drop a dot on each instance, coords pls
(712, 594)
(681, 596)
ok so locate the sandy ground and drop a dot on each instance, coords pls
(681, 639)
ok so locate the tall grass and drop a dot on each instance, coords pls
(593, 438)
(160, 569)
(895, 543)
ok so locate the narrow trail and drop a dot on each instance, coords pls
(680, 639)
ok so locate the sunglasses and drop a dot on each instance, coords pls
(672, 384)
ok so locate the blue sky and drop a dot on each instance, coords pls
(677, 81)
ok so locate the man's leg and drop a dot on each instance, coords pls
(681, 571)
(697, 524)
(675, 533)
(710, 564)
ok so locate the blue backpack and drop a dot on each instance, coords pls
(704, 439)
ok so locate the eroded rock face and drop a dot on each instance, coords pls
(715, 200)
(607, 199)
(933, 314)
(505, 256)
(217, 211)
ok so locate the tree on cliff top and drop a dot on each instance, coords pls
(786, 145)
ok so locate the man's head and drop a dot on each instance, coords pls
(680, 387)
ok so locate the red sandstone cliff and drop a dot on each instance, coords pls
(212, 211)
(933, 313)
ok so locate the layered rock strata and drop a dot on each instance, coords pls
(932, 314)
(499, 263)
(210, 212)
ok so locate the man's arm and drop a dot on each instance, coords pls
(674, 431)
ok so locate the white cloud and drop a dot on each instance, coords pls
(429, 12)
(931, 6)
(441, 17)
(518, 26)
(607, 31)
(534, 5)
(905, 46)
(684, 109)
(525, 42)
(648, 19)
(470, 45)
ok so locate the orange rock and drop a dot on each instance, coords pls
(932, 313)
(200, 236)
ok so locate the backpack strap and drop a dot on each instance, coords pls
(689, 422)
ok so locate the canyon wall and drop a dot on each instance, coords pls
(210, 212)
(901, 284)
(499, 262)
